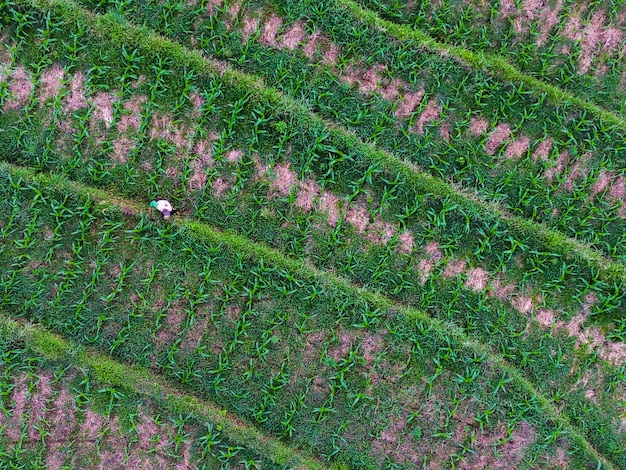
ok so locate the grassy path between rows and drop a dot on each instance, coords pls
(491, 63)
(115, 29)
(251, 250)
(108, 371)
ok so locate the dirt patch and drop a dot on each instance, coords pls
(103, 108)
(20, 89)
(431, 113)
(19, 398)
(233, 156)
(212, 6)
(312, 345)
(477, 279)
(270, 29)
(478, 125)
(346, 341)
(329, 203)
(444, 132)
(308, 191)
(310, 48)
(424, 269)
(410, 100)
(407, 243)
(367, 79)
(330, 54)
(545, 317)
(250, 26)
(284, 179)
(391, 90)
(523, 304)
(576, 171)
(62, 424)
(549, 19)
(220, 186)
(602, 183)
(517, 148)
(132, 120)
(454, 268)
(51, 82)
(121, 149)
(433, 251)
(543, 150)
(498, 136)
(38, 405)
(358, 217)
(558, 167)
(75, 100)
(293, 37)
(380, 231)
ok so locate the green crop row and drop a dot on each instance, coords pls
(580, 52)
(571, 200)
(383, 190)
(300, 353)
(82, 409)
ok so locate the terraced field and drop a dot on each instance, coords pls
(390, 252)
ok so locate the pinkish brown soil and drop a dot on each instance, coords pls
(308, 192)
(543, 150)
(431, 113)
(407, 243)
(121, 149)
(76, 98)
(293, 37)
(498, 136)
(270, 29)
(517, 148)
(20, 89)
(477, 279)
(38, 405)
(358, 217)
(51, 82)
(19, 399)
(410, 100)
(454, 268)
(558, 168)
(329, 203)
(478, 125)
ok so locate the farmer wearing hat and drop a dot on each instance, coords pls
(163, 206)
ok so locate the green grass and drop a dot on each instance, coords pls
(520, 185)
(127, 398)
(321, 330)
(244, 300)
(487, 38)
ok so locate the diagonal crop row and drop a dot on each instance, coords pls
(551, 163)
(287, 347)
(578, 47)
(55, 394)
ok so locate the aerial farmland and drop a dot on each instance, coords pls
(398, 238)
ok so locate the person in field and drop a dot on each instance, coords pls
(163, 206)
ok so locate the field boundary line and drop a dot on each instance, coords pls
(120, 31)
(140, 380)
(258, 251)
(491, 63)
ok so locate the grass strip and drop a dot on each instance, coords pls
(119, 31)
(441, 330)
(490, 63)
(111, 372)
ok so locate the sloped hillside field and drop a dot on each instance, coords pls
(393, 247)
